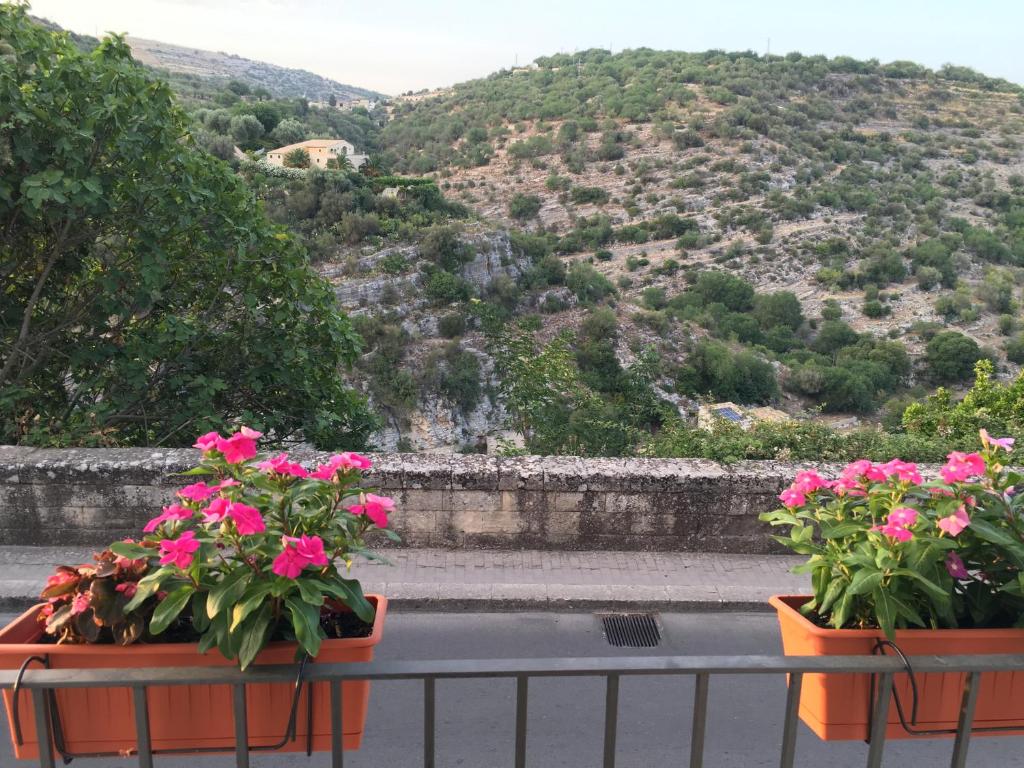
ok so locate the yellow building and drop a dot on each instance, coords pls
(320, 151)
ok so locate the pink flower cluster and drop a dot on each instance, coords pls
(297, 553)
(280, 465)
(240, 447)
(897, 524)
(340, 461)
(374, 507)
(962, 466)
(179, 551)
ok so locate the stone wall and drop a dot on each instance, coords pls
(92, 496)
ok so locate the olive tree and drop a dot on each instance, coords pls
(145, 296)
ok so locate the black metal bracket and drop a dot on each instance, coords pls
(53, 712)
(911, 726)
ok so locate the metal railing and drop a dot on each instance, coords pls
(41, 682)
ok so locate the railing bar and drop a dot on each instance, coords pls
(611, 718)
(788, 755)
(963, 728)
(494, 668)
(522, 691)
(700, 719)
(141, 704)
(43, 734)
(337, 726)
(879, 721)
(428, 722)
(241, 727)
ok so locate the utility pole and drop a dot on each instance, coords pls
(768, 52)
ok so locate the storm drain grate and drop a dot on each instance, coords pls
(631, 630)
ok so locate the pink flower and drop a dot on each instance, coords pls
(347, 460)
(173, 512)
(280, 465)
(903, 516)
(905, 471)
(897, 524)
(376, 508)
(939, 491)
(198, 491)
(59, 578)
(962, 466)
(864, 468)
(1006, 443)
(226, 483)
(80, 603)
(956, 566)
(127, 588)
(179, 551)
(297, 553)
(792, 498)
(207, 442)
(956, 522)
(897, 532)
(240, 446)
(809, 482)
(312, 548)
(216, 511)
(248, 520)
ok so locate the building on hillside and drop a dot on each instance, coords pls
(320, 151)
(707, 415)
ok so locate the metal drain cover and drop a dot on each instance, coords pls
(631, 630)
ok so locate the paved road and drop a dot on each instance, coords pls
(475, 718)
(491, 580)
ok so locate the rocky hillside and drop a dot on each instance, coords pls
(218, 66)
(887, 199)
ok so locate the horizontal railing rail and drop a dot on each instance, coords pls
(41, 682)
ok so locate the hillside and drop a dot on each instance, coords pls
(221, 67)
(872, 208)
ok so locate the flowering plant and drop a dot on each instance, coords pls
(889, 549)
(259, 549)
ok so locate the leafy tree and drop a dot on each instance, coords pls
(781, 308)
(713, 287)
(246, 128)
(146, 298)
(713, 369)
(289, 131)
(524, 207)
(833, 336)
(951, 356)
(587, 283)
(297, 158)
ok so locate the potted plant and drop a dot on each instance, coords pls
(249, 565)
(898, 563)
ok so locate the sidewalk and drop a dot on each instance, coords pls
(492, 580)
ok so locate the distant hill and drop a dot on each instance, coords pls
(279, 81)
(195, 73)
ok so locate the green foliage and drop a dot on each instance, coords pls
(951, 356)
(443, 287)
(780, 309)
(451, 326)
(524, 207)
(989, 404)
(588, 284)
(596, 195)
(297, 158)
(137, 305)
(713, 369)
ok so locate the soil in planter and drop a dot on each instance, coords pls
(336, 625)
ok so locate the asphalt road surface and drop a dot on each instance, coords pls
(475, 719)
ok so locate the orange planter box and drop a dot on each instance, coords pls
(185, 717)
(836, 706)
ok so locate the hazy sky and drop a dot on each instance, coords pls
(399, 45)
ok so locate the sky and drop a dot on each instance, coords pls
(394, 46)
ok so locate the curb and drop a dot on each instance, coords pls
(455, 604)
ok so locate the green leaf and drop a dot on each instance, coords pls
(306, 623)
(350, 592)
(228, 592)
(864, 581)
(169, 608)
(885, 612)
(835, 588)
(131, 551)
(310, 591)
(250, 601)
(148, 586)
(254, 635)
(200, 621)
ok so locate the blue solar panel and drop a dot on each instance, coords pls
(729, 413)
